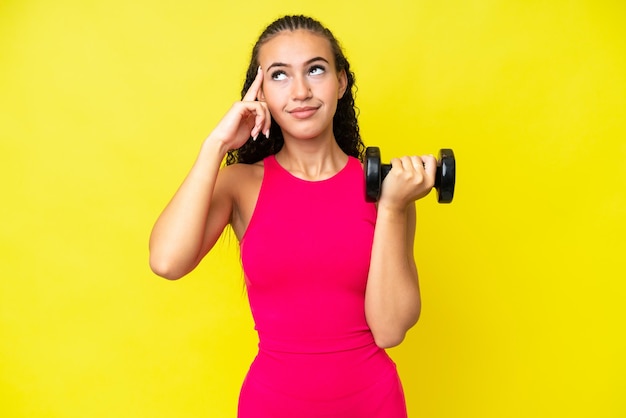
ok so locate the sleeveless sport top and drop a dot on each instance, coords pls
(306, 257)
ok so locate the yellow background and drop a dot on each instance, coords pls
(104, 105)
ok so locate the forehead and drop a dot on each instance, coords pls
(294, 47)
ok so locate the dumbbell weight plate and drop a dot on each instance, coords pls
(373, 174)
(446, 175)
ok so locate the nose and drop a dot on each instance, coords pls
(300, 88)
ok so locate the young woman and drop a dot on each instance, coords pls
(331, 278)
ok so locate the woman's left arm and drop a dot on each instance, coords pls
(392, 297)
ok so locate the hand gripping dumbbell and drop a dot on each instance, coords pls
(375, 173)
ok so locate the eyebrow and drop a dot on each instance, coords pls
(312, 60)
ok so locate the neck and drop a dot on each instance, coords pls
(312, 159)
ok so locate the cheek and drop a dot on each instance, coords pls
(329, 90)
(273, 107)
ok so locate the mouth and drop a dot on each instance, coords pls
(303, 112)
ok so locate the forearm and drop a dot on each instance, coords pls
(178, 234)
(392, 299)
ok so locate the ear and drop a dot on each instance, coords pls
(343, 83)
(260, 96)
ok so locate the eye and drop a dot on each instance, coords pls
(279, 75)
(317, 70)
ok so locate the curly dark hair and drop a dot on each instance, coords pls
(345, 124)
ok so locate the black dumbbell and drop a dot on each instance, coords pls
(375, 173)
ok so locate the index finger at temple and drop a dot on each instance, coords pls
(252, 92)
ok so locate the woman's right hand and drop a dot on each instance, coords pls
(246, 118)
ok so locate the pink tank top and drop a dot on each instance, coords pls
(306, 256)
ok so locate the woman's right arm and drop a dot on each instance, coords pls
(193, 219)
(196, 216)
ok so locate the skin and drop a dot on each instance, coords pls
(298, 85)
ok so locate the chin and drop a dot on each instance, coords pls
(304, 134)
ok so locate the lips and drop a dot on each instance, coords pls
(303, 112)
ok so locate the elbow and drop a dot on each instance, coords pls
(389, 340)
(163, 268)
(391, 336)
(165, 272)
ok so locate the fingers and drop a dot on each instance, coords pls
(263, 119)
(419, 168)
(429, 163)
(255, 87)
(424, 163)
(262, 122)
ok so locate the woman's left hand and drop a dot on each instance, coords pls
(410, 179)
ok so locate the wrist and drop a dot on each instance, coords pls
(214, 146)
(391, 212)
(208, 161)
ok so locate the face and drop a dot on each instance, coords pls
(300, 83)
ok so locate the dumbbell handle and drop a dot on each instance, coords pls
(386, 168)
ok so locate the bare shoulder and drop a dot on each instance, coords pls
(239, 181)
(240, 172)
(243, 183)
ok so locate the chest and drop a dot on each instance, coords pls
(310, 236)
